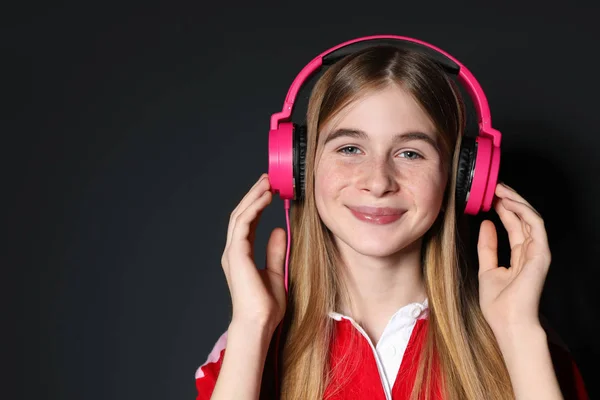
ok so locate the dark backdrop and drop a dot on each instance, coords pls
(132, 132)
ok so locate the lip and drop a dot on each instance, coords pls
(377, 215)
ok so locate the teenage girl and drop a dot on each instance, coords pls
(381, 302)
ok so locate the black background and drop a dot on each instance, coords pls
(132, 131)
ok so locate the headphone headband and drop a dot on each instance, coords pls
(477, 164)
(445, 60)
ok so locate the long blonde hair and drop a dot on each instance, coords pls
(458, 338)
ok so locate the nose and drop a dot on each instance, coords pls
(379, 177)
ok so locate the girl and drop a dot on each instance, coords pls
(382, 304)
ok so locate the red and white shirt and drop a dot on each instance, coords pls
(386, 371)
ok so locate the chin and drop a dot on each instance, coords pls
(376, 246)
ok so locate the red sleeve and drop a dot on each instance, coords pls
(568, 374)
(207, 374)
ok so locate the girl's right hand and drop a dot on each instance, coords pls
(258, 296)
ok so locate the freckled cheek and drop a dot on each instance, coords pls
(331, 177)
(420, 178)
(427, 187)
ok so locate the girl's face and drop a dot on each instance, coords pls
(379, 152)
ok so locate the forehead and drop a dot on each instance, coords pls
(382, 112)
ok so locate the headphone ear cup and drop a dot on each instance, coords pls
(464, 172)
(299, 143)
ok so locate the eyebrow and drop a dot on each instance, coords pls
(398, 137)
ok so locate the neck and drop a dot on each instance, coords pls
(378, 286)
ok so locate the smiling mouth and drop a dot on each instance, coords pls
(382, 216)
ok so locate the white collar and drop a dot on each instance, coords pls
(415, 310)
(393, 341)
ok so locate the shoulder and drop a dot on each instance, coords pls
(566, 369)
(207, 373)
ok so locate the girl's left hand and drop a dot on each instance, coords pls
(509, 297)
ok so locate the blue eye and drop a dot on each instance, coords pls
(346, 151)
(413, 152)
(346, 148)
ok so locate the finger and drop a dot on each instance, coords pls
(243, 231)
(533, 221)
(505, 191)
(502, 190)
(487, 247)
(276, 251)
(511, 221)
(251, 195)
(255, 192)
(275, 263)
(244, 225)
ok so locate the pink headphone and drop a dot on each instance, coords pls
(479, 158)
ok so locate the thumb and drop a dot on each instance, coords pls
(487, 247)
(276, 247)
